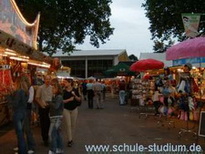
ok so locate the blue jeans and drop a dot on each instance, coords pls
(55, 137)
(122, 97)
(18, 119)
(28, 131)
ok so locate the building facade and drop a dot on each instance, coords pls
(86, 63)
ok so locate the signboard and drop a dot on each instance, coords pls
(196, 60)
(201, 131)
(13, 23)
(191, 23)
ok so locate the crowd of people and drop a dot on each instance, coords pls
(54, 103)
(57, 103)
(94, 93)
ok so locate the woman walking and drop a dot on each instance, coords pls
(70, 113)
(18, 100)
(56, 116)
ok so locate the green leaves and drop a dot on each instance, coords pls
(165, 17)
(64, 23)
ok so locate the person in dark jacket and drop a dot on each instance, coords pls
(90, 94)
(84, 87)
(18, 101)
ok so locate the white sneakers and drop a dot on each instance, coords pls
(16, 150)
(30, 151)
(58, 151)
(50, 152)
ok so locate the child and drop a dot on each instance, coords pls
(56, 115)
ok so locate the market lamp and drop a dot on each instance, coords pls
(40, 64)
(25, 59)
(24, 65)
(179, 70)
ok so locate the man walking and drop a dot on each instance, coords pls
(90, 94)
(98, 88)
(43, 97)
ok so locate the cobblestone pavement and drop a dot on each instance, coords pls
(117, 127)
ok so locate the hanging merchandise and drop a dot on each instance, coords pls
(196, 114)
(5, 77)
(181, 86)
(195, 86)
(191, 103)
(203, 75)
(191, 116)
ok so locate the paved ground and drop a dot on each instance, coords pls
(113, 126)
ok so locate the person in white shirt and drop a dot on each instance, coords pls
(98, 88)
(27, 123)
(43, 97)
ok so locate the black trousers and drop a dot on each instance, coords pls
(90, 98)
(44, 122)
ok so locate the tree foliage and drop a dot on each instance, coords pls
(165, 18)
(65, 23)
(133, 57)
(162, 46)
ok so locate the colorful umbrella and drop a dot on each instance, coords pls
(147, 77)
(120, 69)
(187, 49)
(146, 64)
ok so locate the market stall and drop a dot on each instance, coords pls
(18, 51)
(191, 52)
(143, 88)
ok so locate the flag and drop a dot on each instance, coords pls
(191, 24)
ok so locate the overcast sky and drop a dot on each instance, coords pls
(131, 29)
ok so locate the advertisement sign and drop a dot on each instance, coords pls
(191, 24)
(13, 23)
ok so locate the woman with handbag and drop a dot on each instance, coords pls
(71, 99)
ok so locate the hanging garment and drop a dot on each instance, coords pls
(183, 103)
(191, 116)
(191, 103)
(187, 87)
(195, 86)
(182, 86)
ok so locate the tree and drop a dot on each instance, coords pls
(165, 18)
(132, 57)
(161, 46)
(65, 23)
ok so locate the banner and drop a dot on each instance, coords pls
(13, 23)
(197, 61)
(191, 24)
